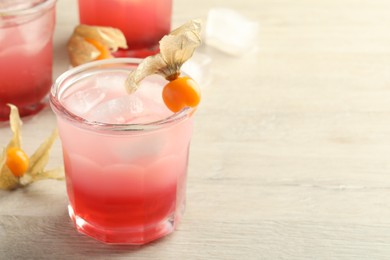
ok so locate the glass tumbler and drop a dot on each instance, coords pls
(143, 23)
(125, 155)
(26, 54)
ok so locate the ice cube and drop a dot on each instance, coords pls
(28, 33)
(129, 109)
(36, 34)
(10, 38)
(14, 45)
(82, 101)
(230, 32)
(118, 110)
(111, 81)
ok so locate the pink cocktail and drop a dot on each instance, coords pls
(26, 54)
(125, 155)
(143, 23)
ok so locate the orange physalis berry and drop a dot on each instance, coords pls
(104, 51)
(17, 161)
(181, 92)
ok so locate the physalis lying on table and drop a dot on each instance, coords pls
(90, 43)
(17, 169)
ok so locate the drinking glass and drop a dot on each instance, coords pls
(143, 23)
(125, 155)
(26, 54)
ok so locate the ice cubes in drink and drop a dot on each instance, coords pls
(84, 97)
(104, 99)
(109, 102)
(128, 109)
(29, 33)
(118, 111)
(82, 101)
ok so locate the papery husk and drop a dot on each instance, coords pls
(80, 51)
(38, 162)
(55, 174)
(15, 125)
(36, 170)
(7, 179)
(175, 49)
(110, 37)
(40, 158)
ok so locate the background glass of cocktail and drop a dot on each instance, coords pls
(143, 23)
(26, 54)
(125, 155)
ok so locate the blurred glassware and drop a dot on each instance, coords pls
(26, 54)
(143, 23)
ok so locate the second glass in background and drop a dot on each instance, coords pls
(26, 54)
(143, 23)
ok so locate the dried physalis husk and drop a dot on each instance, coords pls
(175, 49)
(7, 179)
(89, 43)
(37, 162)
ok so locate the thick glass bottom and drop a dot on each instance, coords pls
(125, 236)
(136, 53)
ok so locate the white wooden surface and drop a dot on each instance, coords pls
(290, 157)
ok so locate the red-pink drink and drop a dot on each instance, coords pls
(125, 155)
(26, 54)
(143, 23)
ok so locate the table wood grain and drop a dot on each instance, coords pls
(290, 157)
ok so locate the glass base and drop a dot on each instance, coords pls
(130, 236)
(136, 53)
(23, 110)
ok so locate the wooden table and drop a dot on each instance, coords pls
(290, 157)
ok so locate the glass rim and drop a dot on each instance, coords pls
(62, 111)
(46, 4)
